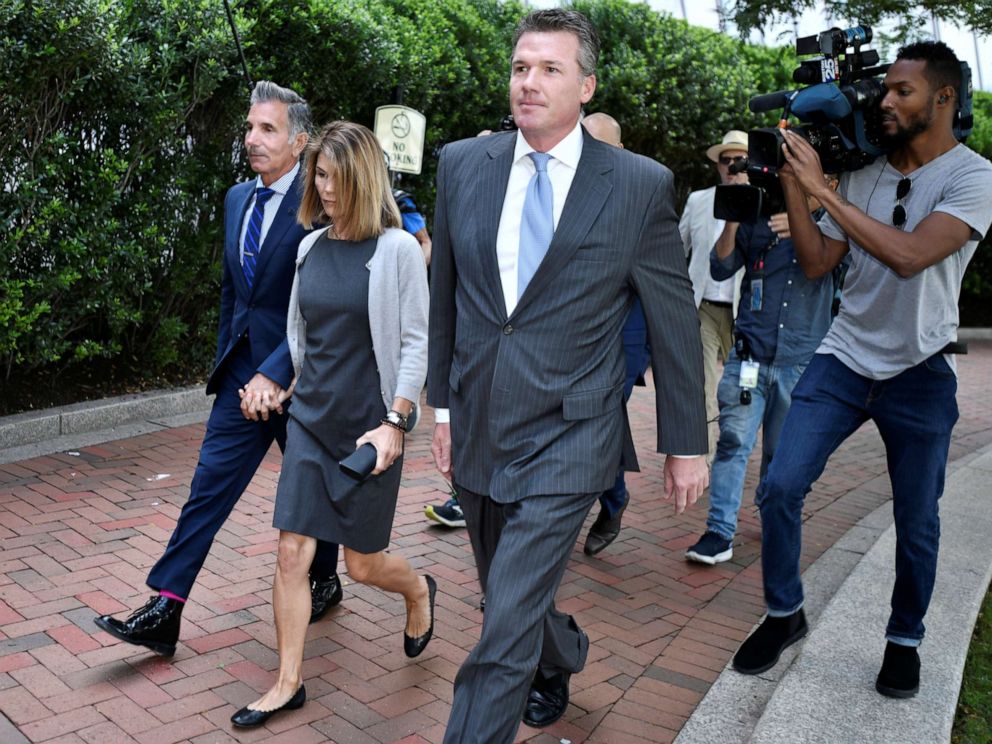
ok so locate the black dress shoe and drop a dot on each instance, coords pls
(547, 700)
(248, 718)
(761, 651)
(900, 673)
(324, 594)
(605, 529)
(154, 626)
(414, 646)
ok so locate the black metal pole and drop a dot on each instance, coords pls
(237, 43)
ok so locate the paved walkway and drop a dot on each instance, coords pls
(80, 529)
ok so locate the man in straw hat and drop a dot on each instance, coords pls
(715, 300)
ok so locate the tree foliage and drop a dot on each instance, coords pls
(976, 290)
(676, 89)
(123, 128)
(912, 18)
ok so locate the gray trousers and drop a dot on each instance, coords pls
(521, 551)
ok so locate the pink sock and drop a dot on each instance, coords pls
(170, 595)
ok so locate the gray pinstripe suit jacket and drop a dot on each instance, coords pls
(536, 398)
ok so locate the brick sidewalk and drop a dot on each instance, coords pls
(80, 530)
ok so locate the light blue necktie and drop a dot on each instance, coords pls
(253, 233)
(537, 225)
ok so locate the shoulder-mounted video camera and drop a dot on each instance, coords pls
(840, 115)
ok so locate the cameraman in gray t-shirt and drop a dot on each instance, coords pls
(911, 222)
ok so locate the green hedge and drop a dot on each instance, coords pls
(123, 126)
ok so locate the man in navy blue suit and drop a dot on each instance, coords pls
(261, 236)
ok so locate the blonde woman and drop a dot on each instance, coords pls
(357, 332)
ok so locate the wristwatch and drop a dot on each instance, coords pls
(397, 419)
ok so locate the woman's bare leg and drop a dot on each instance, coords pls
(291, 605)
(394, 574)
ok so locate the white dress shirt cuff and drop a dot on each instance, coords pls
(442, 416)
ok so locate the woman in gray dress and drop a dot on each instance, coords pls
(357, 332)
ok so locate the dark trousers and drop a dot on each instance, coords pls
(521, 550)
(915, 412)
(233, 448)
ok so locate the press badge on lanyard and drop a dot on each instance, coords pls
(749, 374)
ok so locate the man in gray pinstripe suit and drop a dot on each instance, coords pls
(527, 366)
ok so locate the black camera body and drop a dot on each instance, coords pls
(840, 116)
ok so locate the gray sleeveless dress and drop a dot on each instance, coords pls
(336, 400)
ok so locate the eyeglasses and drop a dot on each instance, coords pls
(899, 213)
(724, 160)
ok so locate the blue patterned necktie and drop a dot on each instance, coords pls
(254, 233)
(537, 225)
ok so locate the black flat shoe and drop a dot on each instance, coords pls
(547, 700)
(414, 646)
(248, 718)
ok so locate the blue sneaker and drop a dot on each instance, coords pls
(449, 513)
(711, 549)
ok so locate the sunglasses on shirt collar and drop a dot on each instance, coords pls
(899, 212)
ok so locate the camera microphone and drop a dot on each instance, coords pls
(769, 101)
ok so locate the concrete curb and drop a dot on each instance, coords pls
(66, 427)
(823, 689)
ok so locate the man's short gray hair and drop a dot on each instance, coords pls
(299, 110)
(570, 21)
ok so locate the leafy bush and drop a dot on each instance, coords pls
(976, 290)
(117, 149)
(675, 88)
(123, 128)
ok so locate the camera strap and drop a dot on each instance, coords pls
(758, 276)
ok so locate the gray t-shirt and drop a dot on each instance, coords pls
(888, 324)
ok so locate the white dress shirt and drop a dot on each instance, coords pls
(561, 170)
(271, 208)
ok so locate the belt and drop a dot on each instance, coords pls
(716, 303)
(955, 347)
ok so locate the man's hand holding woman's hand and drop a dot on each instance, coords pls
(262, 396)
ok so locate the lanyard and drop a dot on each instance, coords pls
(758, 268)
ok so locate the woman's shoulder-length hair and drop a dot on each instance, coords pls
(365, 205)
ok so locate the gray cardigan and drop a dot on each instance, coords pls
(398, 300)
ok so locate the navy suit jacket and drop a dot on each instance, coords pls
(536, 397)
(259, 311)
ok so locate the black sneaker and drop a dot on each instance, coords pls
(900, 673)
(449, 513)
(762, 649)
(711, 549)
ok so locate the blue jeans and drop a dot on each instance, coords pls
(739, 431)
(915, 412)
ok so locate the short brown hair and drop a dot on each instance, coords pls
(361, 183)
(569, 21)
